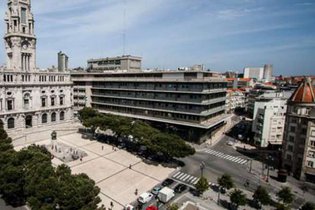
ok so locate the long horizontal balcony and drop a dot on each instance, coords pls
(163, 99)
(170, 110)
(204, 125)
(193, 91)
(148, 79)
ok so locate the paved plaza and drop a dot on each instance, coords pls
(117, 172)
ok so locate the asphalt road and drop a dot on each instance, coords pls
(215, 166)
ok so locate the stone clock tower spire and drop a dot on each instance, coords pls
(20, 40)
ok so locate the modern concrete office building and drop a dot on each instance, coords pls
(190, 102)
(299, 134)
(29, 97)
(125, 62)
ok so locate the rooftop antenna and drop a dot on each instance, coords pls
(124, 29)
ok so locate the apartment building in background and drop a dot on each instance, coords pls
(269, 118)
(235, 99)
(259, 73)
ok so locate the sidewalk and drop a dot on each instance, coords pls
(217, 136)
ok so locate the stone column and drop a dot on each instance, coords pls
(28, 62)
(24, 62)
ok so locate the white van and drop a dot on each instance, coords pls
(145, 197)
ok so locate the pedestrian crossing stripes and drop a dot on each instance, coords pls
(225, 156)
(185, 178)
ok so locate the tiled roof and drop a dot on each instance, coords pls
(305, 93)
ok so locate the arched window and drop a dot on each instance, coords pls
(62, 115)
(44, 118)
(11, 123)
(53, 117)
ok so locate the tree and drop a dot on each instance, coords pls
(238, 198)
(202, 185)
(225, 181)
(285, 195)
(173, 206)
(261, 195)
(28, 175)
(154, 140)
(87, 113)
(308, 206)
(281, 206)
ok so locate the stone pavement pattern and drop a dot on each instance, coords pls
(109, 168)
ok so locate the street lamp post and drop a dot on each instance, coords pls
(219, 192)
(269, 159)
(202, 166)
(250, 165)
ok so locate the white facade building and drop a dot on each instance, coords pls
(29, 97)
(254, 72)
(263, 74)
(269, 118)
(234, 99)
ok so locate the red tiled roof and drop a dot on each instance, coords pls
(305, 93)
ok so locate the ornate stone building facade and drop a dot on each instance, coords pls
(299, 134)
(29, 97)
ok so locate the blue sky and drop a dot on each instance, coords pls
(221, 34)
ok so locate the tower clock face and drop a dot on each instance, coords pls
(24, 46)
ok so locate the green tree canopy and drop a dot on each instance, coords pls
(308, 206)
(261, 195)
(226, 181)
(173, 206)
(238, 198)
(28, 175)
(156, 141)
(285, 195)
(202, 185)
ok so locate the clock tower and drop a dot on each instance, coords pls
(20, 40)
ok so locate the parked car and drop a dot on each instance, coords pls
(156, 190)
(145, 197)
(167, 182)
(180, 188)
(129, 207)
(194, 192)
(230, 143)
